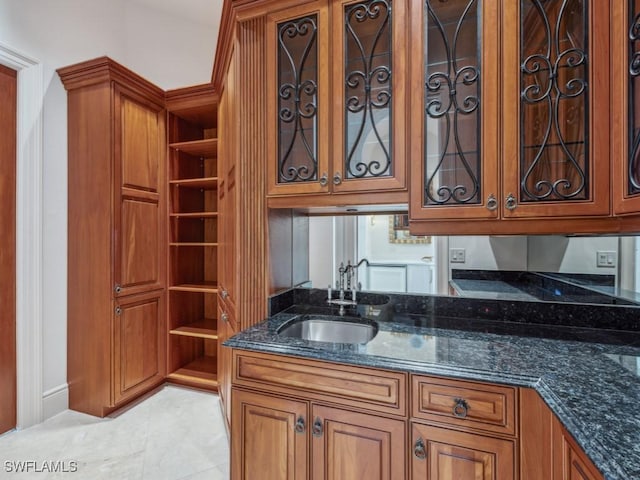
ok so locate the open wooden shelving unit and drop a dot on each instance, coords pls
(192, 322)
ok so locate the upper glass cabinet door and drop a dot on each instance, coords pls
(625, 74)
(370, 83)
(556, 108)
(452, 103)
(456, 84)
(298, 89)
(554, 84)
(368, 89)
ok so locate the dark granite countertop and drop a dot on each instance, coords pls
(593, 387)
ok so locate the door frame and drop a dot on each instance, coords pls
(29, 251)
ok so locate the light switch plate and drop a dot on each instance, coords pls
(457, 255)
(606, 259)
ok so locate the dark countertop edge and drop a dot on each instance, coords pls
(594, 449)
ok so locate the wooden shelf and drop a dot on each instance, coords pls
(202, 371)
(193, 244)
(207, 183)
(206, 148)
(195, 287)
(194, 215)
(205, 328)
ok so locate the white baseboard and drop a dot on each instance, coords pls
(55, 400)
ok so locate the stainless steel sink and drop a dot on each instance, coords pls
(338, 330)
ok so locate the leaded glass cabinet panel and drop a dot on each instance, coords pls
(298, 92)
(369, 122)
(456, 116)
(555, 104)
(625, 54)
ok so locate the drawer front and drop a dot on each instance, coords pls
(478, 406)
(371, 389)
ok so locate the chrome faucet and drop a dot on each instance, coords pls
(341, 301)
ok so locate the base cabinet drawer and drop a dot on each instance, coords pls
(473, 405)
(373, 389)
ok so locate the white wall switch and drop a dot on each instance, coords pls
(606, 259)
(457, 255)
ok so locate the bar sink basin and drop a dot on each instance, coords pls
(330, 329)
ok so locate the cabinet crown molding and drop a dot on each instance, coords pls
(104, 69)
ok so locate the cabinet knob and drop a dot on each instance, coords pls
(337, 178)
(492, 202)
(419, 450)
(224, 294)
(461, 408)
(299, 428)
(224, 317)
(511, 202)
(118, 311)
(117, 288)
(324, 179)
(317, 427)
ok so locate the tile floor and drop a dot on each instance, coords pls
(176, 433)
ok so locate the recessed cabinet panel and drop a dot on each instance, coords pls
(269, 437)
(138, 249)
(140, 145)
(352, 445)
(137, 343)
(441, 454)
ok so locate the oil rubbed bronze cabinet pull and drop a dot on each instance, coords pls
(300, 426)
(317, 428)
(419, 450)
(492, 202)
(460, 408)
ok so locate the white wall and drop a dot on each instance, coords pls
(491, 253)
(167, 50)
(570, 255)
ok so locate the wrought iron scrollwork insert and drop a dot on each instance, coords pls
(633, 165)
(368, 90)
(297, 100)
(448, 101)
(554, 81)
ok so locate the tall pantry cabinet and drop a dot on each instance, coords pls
(116, 234)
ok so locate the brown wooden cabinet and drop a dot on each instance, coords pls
(319, 420)
(547, 450)
(514, 117)
(116, 235)
(442, 454)
(336, 96)
(299, 418)
(347, 444)
(193, 236)
(269, 438)
(625, 106)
